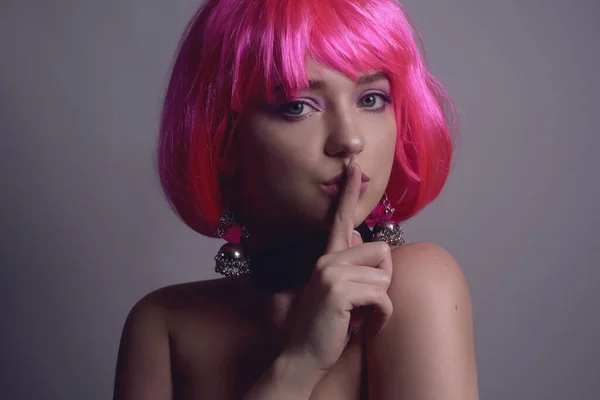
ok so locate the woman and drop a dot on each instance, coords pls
(304, 131)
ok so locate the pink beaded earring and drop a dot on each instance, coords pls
(384, 229)
(231, 260)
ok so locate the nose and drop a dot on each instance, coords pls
(344, 138)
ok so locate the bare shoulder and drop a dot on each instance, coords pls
(159, 302)
(428, 343)
(161, 323)
(421, 252)
(429, 267)
(199, 301)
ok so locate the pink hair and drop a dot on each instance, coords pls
(234, 52)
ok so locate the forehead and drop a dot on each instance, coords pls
(320, 76)
(320, 73)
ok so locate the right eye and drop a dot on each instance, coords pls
(294, 109)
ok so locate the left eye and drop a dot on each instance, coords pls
(370, 99)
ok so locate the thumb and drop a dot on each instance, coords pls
(356, 239)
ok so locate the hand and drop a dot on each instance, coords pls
(349, 275)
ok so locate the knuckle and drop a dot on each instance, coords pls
(387, 277)
(383, 292)
(390, 306)
(336, 293)
(384, 248)
(385, 296)
(321, 263)
(328, 277)
(378, 291)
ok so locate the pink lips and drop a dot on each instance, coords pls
(333, 185)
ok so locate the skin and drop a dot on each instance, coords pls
(281, 162)
(223, 339)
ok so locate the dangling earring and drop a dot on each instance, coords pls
(385, 229)
(231, 260)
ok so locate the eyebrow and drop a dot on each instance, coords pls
(378, 76)
(363, 80)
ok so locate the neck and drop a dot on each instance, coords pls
(281, 265)
(263, 241)
(285, 262)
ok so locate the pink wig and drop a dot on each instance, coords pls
(235, 52)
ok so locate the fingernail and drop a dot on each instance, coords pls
(357, 232)
(351, 163)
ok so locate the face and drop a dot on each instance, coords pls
(285, 152)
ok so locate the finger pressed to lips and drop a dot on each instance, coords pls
(343, 223)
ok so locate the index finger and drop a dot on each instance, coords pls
(340, 235)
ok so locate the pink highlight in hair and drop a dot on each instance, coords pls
(235, 52)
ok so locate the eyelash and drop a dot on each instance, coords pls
(386, 101)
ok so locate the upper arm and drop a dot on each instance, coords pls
(426, 351)
(143, 367)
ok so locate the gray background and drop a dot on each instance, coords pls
(85, 231)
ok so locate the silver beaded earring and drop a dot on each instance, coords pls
(386, 230)
(231, 260)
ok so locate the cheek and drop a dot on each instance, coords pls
(274, 166)
(278, 159)
(273, 182)
(384, 144)
(381, 158)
